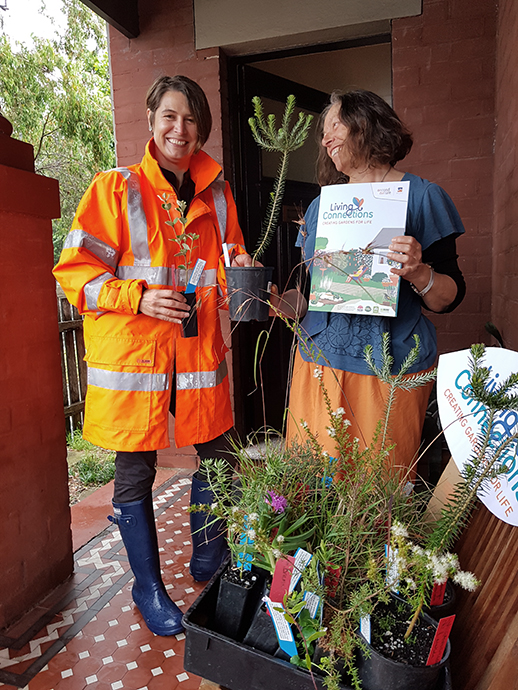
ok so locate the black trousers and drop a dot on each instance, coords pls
(135, 471)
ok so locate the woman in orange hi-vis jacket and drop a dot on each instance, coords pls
(120, 267)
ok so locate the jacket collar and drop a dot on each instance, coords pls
(203, 170)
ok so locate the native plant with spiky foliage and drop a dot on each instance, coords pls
(486, 461)
(283, 141)
(399, 381)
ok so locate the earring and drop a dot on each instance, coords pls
(150, 128)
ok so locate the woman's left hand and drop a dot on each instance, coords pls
(408, 252)
(442, 289)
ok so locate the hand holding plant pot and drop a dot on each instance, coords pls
(248, 288)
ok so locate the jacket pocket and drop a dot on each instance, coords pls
(123, 389)
(120, 351)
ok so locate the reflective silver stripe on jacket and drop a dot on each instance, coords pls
(201, 379)
(127, 381)
(153, 275)
(162, 275)
(103, 251)
(93, 288)
(136, 218)
(220, 204)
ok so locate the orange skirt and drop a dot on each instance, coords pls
(363, 398)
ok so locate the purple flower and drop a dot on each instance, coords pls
(277, 502)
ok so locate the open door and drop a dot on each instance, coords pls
(262, 351)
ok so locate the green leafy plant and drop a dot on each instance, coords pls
(185, 240)
(267, 517)
(398, 381)
(95, 471)
(75, 441)
(283, 141)
(89, 465)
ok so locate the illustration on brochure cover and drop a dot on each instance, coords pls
(350, 269)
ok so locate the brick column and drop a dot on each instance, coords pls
(35, 526)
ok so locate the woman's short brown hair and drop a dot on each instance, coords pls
(376, 134)
(196, 99)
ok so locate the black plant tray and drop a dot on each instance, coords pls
(236, 666)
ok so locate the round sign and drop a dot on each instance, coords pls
(463, 419)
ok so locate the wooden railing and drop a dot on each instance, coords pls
(73, 366)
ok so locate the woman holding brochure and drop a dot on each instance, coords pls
(120, 266)
(362, 140)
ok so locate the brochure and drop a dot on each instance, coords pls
(350, 269)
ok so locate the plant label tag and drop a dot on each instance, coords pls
(244, 560)
(226, 254)
(392, 578)
(439, 641)
(282, 627)
(302, 558)
(282, 578)
(365, 627)
(195, 276)
(312, 603)
(437, 597)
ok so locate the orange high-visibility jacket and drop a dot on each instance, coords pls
(119, 245)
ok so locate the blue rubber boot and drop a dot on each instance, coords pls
(136, 523)
(209, 546)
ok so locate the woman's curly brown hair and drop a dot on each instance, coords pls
(376, 134)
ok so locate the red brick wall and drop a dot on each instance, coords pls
(165, 47)
(505, 239)
(443, 86)
(35, 526)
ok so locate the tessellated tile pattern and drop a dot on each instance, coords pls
(89, 634)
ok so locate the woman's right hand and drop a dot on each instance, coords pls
(291, 303)
(166, 305)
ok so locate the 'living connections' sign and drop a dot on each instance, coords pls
(463, 420)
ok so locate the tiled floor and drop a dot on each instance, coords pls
(89, 633)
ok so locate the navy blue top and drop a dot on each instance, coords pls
(341, 338)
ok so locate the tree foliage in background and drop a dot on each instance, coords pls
(57, 97)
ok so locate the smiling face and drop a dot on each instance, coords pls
(175, 132)
(334, 139)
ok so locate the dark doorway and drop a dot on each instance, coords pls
(261, 394)
(260, 381)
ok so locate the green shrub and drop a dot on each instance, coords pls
(93, 470)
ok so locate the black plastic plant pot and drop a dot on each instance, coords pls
(239, 593)
(190, 322)
(448, 607)
(377, 672)
(261, 633)
(248, 292)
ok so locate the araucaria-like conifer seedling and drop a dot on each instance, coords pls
(282, 141)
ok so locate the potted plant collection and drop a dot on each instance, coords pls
(344, 556)
(248, 287)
